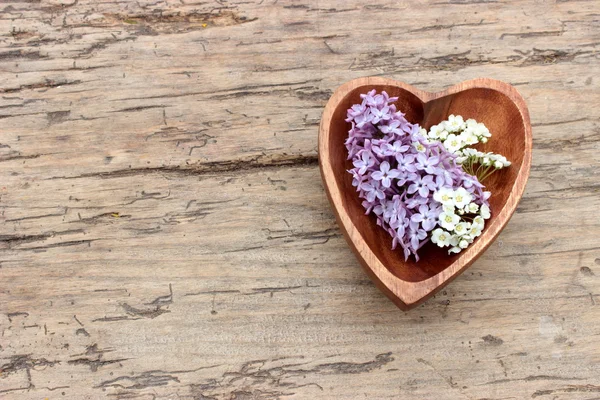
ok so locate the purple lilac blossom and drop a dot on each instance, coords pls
(394, 179)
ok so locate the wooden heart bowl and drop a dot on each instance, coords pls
(498, 105)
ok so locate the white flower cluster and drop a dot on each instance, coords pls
(461, 221)
(473, 156)
(456, 133)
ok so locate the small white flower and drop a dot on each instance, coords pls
(473, 208)
(501, 159)
(449, 221)
(462, 198)
(461, 228)
(469, 152)
(454, 240)
(445, 196)
(453, 143)
(463, 244)
(475, 230)
(454, 249)
(455, 123)
(448, 208)
(485, 211)
(469, 137)
(471, 123)
(443, 135)
(482, 131)
(440, 237)
(483, 140)
(498, 165)
(434, 131)
(478, 221)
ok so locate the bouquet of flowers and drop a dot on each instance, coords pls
(420, 185)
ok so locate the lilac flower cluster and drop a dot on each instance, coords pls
(397, 170)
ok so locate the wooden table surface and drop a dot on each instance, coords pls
(165, 234)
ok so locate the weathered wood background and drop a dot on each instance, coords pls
(165, 235)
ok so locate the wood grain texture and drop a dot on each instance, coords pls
(165, 233)
(496, 104)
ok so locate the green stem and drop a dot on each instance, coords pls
(477, 172)
(488, 174)
(470, 161)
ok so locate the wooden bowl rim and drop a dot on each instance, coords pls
(403, 293)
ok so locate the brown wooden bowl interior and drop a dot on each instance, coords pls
(496, 110)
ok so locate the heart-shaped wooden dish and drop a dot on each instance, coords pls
(498, 105)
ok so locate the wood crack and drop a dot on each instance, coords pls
(230, 166)
(568, 389)
(47, 84)
(245, 88)
(15, 240)
(532, 378)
